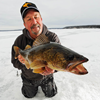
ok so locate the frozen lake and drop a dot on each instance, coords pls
(70, 86)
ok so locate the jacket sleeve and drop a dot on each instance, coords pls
(16, 63)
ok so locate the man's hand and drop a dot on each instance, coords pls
(21, 59)
(47, 71)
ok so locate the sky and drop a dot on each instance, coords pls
(55, 13)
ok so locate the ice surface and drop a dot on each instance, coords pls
(70, 86)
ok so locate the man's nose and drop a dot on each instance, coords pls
(34, 21)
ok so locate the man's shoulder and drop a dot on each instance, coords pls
(50, 33)
(22, 35)
(47, 32)
(19, 37)
(52, 37)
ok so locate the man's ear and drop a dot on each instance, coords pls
(24, 24)
(41, 18)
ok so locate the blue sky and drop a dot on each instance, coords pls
(55, 13)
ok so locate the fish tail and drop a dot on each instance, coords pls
(16, 49)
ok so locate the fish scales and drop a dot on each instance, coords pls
(52, 55)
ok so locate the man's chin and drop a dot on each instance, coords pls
(36, 29)
(36, 32)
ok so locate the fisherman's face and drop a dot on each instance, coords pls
(33, 23)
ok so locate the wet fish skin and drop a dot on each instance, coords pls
(53, 55)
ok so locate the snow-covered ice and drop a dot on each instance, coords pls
(70, 86)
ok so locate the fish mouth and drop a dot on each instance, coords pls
(77, 67)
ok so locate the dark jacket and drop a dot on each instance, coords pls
(23, 40)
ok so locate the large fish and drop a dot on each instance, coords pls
(53, 55)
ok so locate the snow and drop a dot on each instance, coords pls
(70, 86)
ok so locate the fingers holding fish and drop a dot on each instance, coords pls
(47, 71)
(21, 59)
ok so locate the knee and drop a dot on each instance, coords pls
(28, 94)
(51, 94)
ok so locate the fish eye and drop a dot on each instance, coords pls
(71, 57)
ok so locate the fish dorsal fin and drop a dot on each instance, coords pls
(41, 39)
(27, 47)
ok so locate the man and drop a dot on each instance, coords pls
(33, 28)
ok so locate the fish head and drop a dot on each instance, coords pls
(64, 59)
(75, 64)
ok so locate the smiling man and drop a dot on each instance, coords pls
(33, 23)
(33, 28)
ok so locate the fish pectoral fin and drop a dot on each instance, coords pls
(39, 70)
(16, 49)
(37, 64)
(27, 47)
(27, 64)
(80, 70)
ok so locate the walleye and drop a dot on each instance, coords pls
(53, 55)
